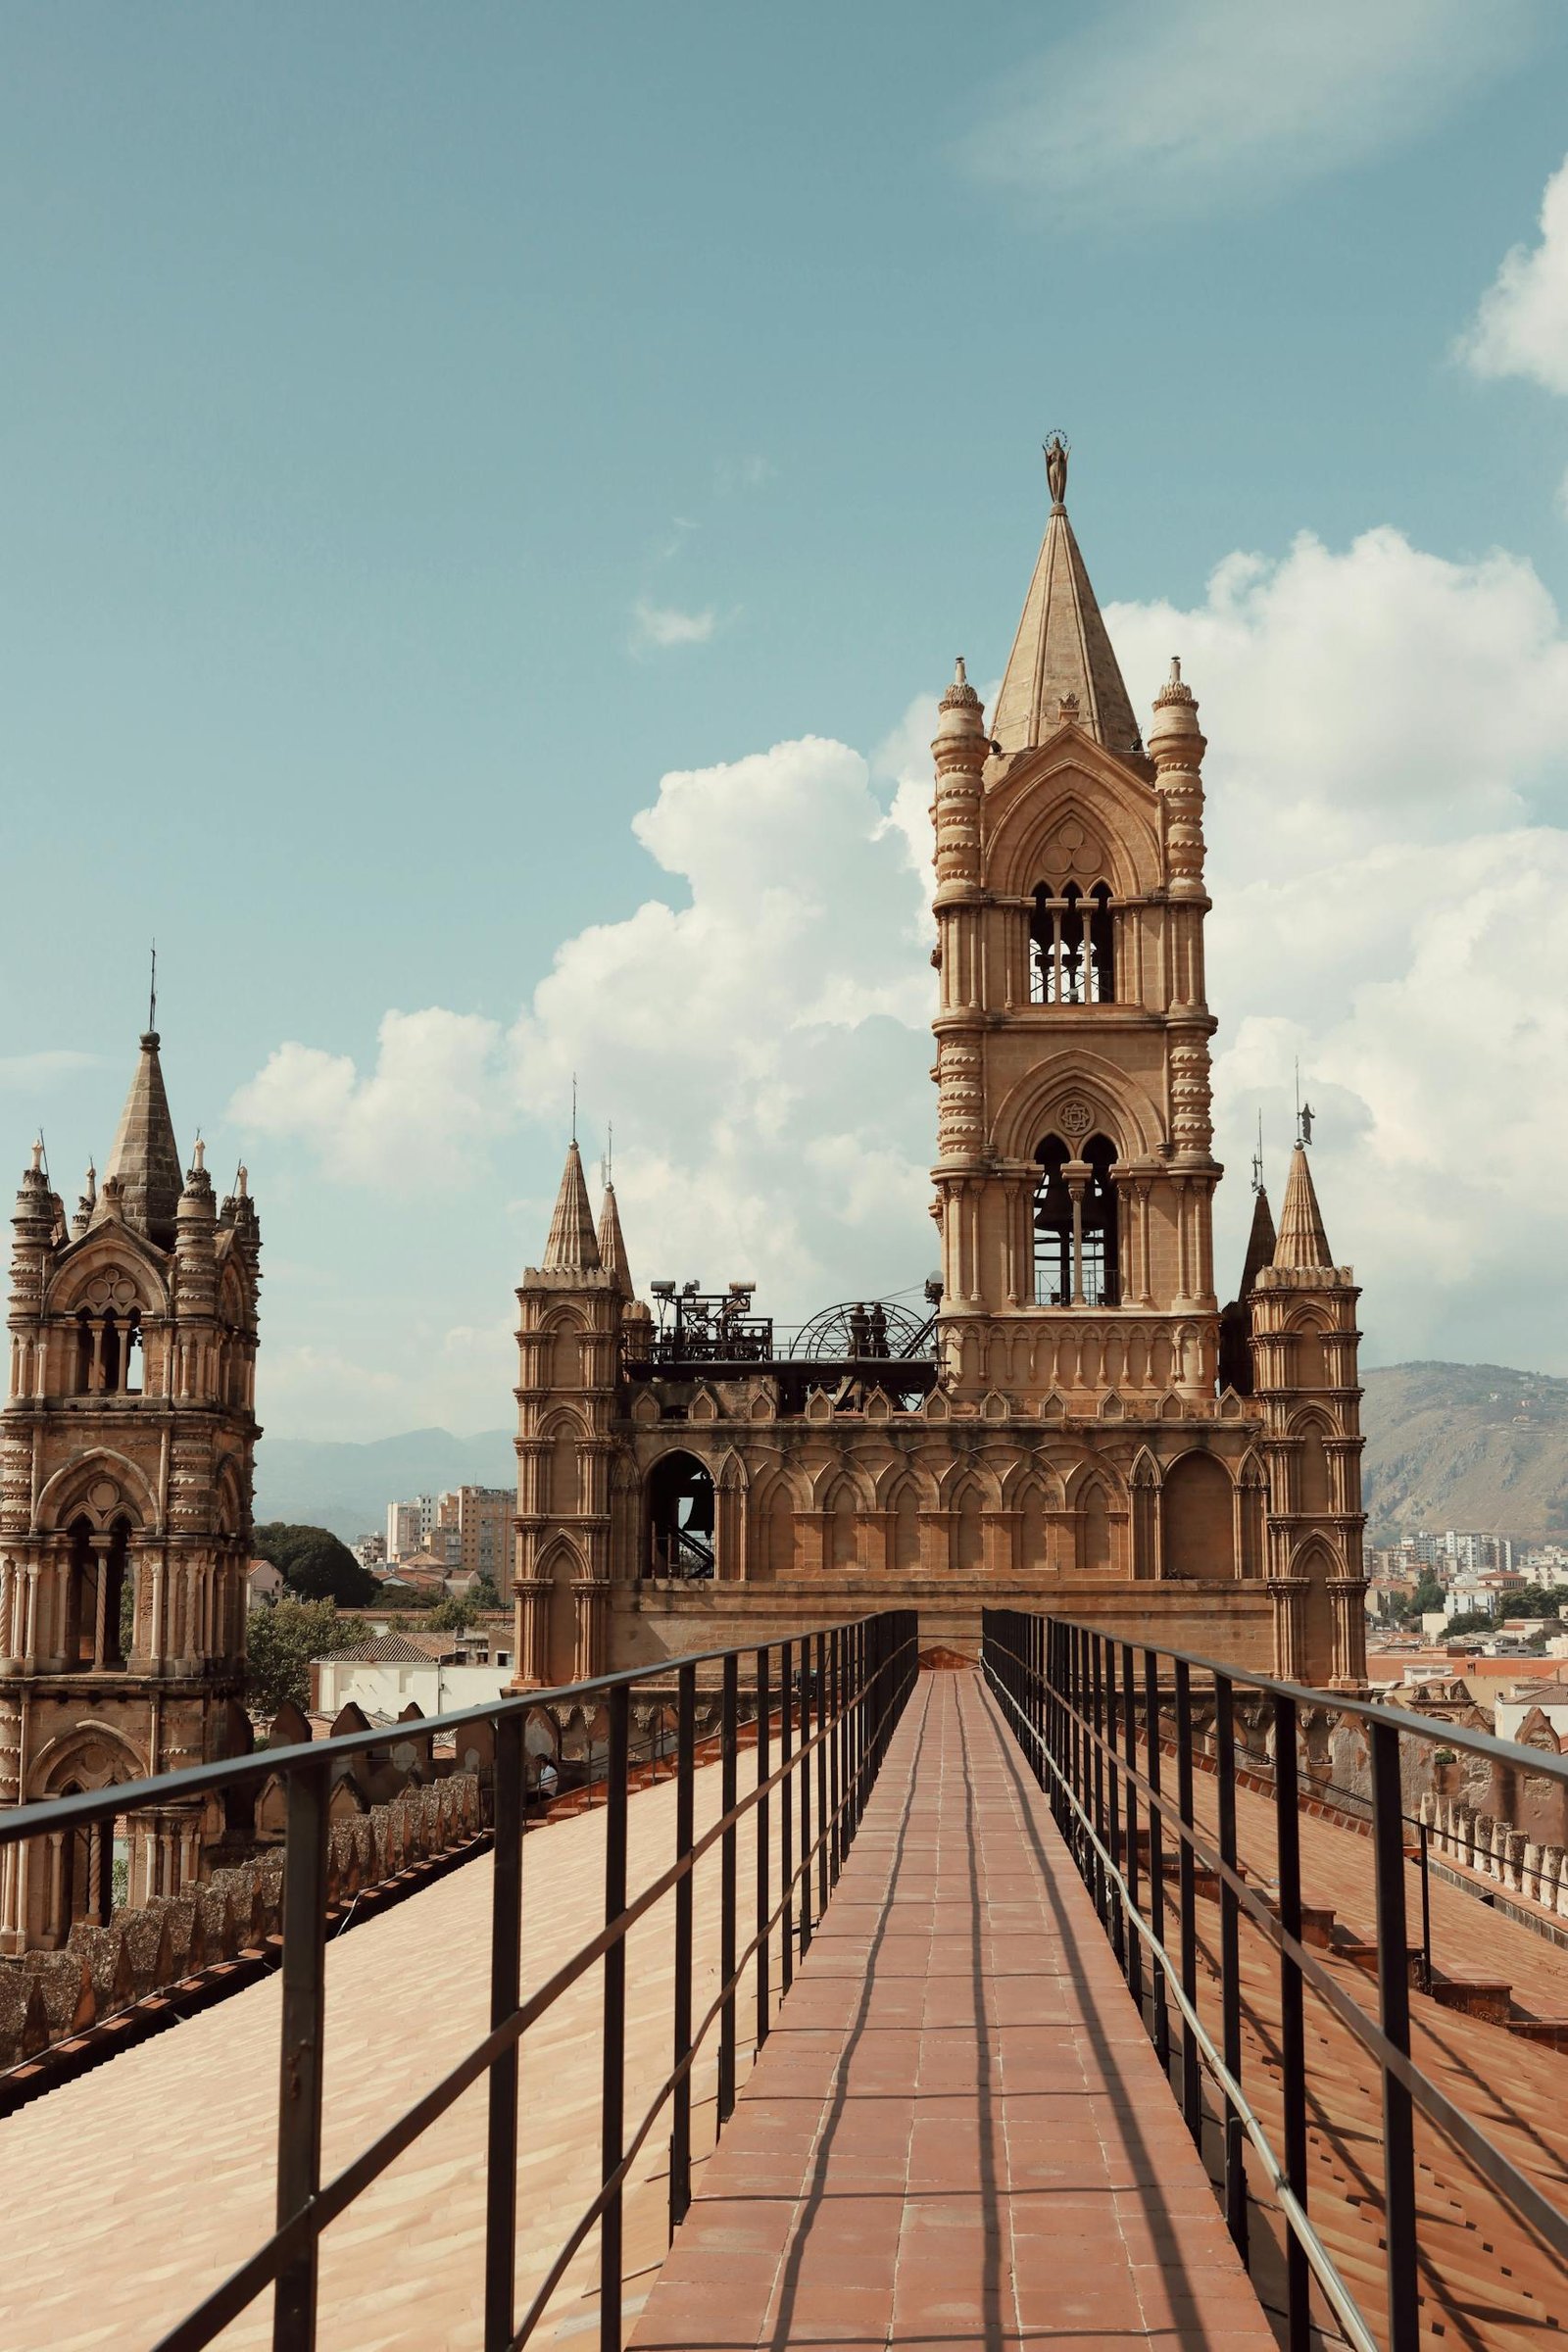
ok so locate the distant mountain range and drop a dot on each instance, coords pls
(323, 1483)
(1467, 1445)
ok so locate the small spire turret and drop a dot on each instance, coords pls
(1303, 1241)
(572, 1247)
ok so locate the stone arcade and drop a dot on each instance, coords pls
(1078, 1427)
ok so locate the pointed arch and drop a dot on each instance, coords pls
(1120, 1107)
(68, 1493)
(1197, 1519)
(1073, 781)
(1144, 1485)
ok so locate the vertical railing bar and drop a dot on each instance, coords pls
(825, 1741)
(836, 1752)
(1393, 1993)
(786, 1816)
(1230, 1957)
(1157, 1855)
(729, 1740)
(299, 2096)
(1129, 1733)
(680, 2119)
(506, 1960)
(613, 2097)
(1192, 2081)
(807, 1856)
(1292, 2029)
(763, 1881)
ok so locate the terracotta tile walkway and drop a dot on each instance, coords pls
(958, 2133)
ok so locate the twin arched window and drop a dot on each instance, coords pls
(108, 1356)
(1072, 957)
(1077, 1254)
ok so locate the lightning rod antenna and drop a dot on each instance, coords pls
(152, 994)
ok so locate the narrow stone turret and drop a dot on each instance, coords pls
(572, 1247)
(145, 1159)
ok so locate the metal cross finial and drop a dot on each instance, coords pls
(575, 1107)
(152, 994)
(609, 1150)
(1258, 1157)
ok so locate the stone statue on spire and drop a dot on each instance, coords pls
(1057, 468)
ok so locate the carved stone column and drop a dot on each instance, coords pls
(531, 1620)
(1289, 1596)
(1348, 1594)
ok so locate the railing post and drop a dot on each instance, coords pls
(807, 1856)
(506, 1954)
(786, 1818)
(680, 2116)
(1096, 1760)
(729, 1732)
(1192, 2081)
(824, 1741)
(1293, 2031)
(1230, 1956)
(1129, 1733)
(835, 1762)
(763, 1881)
(1156, 1856)
(299, 2096)
(614, 2103)
(1394, 1993)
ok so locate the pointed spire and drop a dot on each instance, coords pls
(1260, 1243)
(86, 1202)
(1061, 664)
(145, 1159)
(611, 1243)
(1302, 1241)
(572, 1248)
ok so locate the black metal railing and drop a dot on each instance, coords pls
(831, 1697)
(1088, 1709)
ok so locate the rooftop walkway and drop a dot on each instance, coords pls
(957, 2133)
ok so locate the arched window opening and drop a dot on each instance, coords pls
(1077, 1252)
(81, 1603)
(1094, 1532)
(969, 1544)
(84, 1354)
(87, 1873)
(841, 1547)
(1314, 1486)
(681, 1518)
(1072, 947)
(1199, 1506)
(134, 1355)
(111, 1357)
(100, 1598)
(907, 1531)
(1034, 1533)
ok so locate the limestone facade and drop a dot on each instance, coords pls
(1070, 1443)
(125, 1479)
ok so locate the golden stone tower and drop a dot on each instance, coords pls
(1061, 1433)
(125, 1476)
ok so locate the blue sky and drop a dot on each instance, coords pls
(423, 430)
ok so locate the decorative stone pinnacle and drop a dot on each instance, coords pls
(1175, 690)
(37, 1154)
(961, 695)
(1070, 710)
(197, 1154)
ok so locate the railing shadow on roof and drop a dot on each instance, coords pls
(830, 1696)
(1081, 1703)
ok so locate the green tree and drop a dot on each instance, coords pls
(485, 1597)
(315, 1563)
(1471, 1621)
(452, 1615)
(1429, 1594)
(279, 1645)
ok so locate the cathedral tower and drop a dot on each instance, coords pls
(568, 1342)
(126, 1477)
(1074, 1176)
(1304, 1346)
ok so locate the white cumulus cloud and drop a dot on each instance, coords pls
(1151, 106)
(1388, 865)
(1521, 328)
(658, 628)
